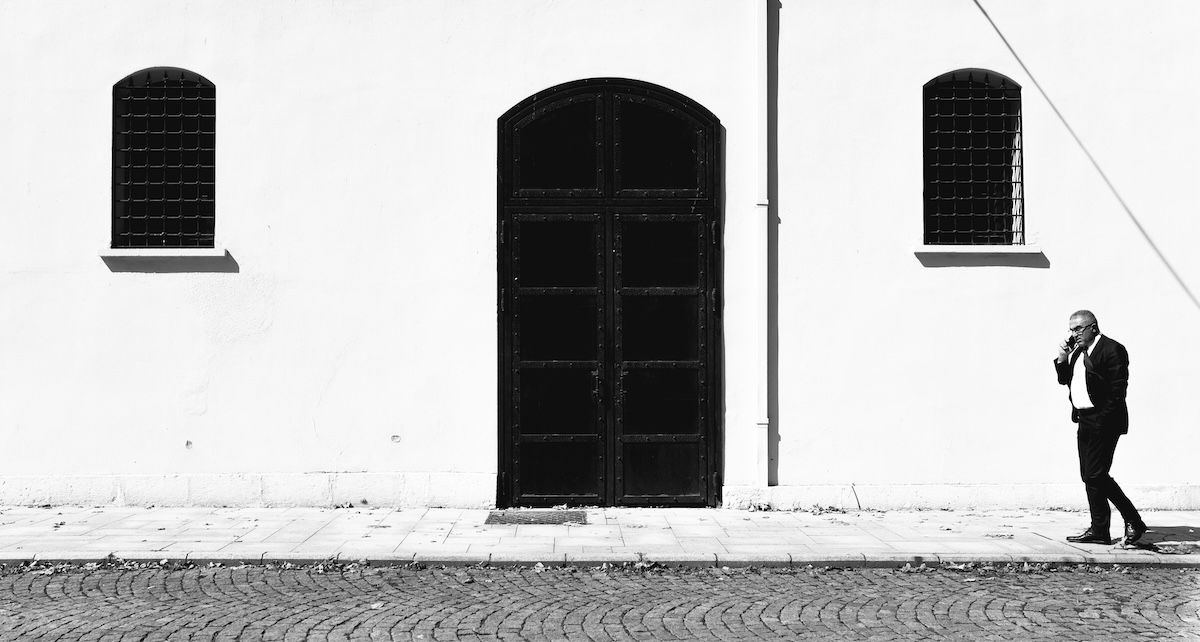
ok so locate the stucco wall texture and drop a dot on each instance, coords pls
(961, 389)
(352, 355)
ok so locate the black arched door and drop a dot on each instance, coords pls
(608, 247)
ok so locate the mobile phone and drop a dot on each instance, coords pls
(1071, 342)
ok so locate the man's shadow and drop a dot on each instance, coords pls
(1170, 540)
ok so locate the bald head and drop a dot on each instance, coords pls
(1084, 317)
(1084, 328)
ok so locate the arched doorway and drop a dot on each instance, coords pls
(609, 286)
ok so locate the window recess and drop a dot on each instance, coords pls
(164, 160)
(974, 180)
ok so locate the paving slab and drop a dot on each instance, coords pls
(613, 535)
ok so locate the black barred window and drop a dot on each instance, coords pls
(164, 131)
(973, 182)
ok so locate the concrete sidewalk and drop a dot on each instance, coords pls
(613, 535)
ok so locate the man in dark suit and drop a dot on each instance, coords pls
(1095, 370)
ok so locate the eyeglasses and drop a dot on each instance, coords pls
(1080, 328)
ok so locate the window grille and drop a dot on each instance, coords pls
(164, 131)
(974, 187)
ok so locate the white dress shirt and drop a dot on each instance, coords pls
(1079, 393)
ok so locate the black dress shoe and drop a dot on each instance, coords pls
(1089, 537)
(1134, 532)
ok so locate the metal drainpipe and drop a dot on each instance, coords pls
(761, 248)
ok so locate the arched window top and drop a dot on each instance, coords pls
(974, 77)
(608, 138)
(164, 77)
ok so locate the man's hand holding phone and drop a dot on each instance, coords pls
(1065, 348)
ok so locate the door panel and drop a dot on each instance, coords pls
(557, 327)
(660, 253)
(560, 470)
(662, 472)
(660, 401)
(660, 327)
(657, 147)
(559, 401)
(558, 148)
(558, 344)
(608, 309)
(557, 253)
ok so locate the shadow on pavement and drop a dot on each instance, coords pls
(1171, 540)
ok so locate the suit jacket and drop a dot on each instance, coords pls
(1107, 372)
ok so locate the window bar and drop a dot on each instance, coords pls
(164, 160)
(973, 176)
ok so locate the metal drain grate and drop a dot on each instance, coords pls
(536, 517)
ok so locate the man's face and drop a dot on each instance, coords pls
(1083, 329)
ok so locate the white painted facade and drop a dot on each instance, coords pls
(352, 355)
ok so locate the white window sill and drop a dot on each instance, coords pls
(169, 259)
(978, 249)
(1022, 256)
(161, 252)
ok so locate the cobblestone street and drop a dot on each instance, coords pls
(145, 602)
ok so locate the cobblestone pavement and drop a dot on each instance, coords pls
(147, 602)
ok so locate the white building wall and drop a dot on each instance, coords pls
(353, 354)
(901, 384)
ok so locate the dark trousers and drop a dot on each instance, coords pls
(1096, 448)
